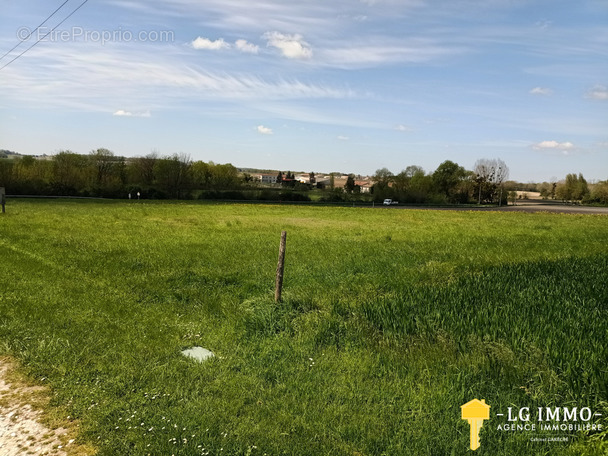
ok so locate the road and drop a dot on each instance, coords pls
(527, 206)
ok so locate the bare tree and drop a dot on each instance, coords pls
(490, 175)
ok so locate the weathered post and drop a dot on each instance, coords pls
(3, 199)
(280, 268)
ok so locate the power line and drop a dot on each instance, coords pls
(40, 39)
(32, 32)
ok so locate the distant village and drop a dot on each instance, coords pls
(321, 181)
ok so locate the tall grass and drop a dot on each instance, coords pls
(391, 320)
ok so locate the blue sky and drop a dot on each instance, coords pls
(343, 85)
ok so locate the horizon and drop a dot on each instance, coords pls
(351, 85)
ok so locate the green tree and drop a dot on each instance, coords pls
(545, 190)
(225, 177)
(7, 174)
(383, 180)
(582, 188)
(447, 178)
(70, 173)
(202, 175)
(140, 170)
(102, 161)
(108, 172)
(173, 175)
(289, 179)
(599, 194)
(574, 188)
(32, 175)
(420, 187)
(401, 183)
(350, 185)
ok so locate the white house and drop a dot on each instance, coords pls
(267, 178)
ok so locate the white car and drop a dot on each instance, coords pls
(388, 202)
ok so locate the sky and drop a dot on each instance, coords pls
(318, 85)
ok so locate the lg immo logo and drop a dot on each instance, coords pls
(475, 412)
(541, 423)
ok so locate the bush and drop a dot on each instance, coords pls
(293, 196)
(334, 196)
(223, 195)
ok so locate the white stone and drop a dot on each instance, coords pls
(198, 353)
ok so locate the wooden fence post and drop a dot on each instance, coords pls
(280, 268)
(3, 199)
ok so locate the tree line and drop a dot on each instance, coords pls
(450, 183)
(103, 174)
(574, 188)
(486, 184)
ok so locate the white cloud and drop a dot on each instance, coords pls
(205, 43)
(123, 113)
(543, 24)
(541, 91)
(403, 128)
(553, 146)
(385, 50)
(599, 92)
(343, 138)
(264, 130)
(106, 78)
(291, 46)
(244, 46)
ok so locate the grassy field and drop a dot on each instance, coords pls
(391, 320)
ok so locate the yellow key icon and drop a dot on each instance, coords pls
(475, 412)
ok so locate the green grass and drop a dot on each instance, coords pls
(391, 320)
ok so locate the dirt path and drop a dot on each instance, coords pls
(22, 431)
